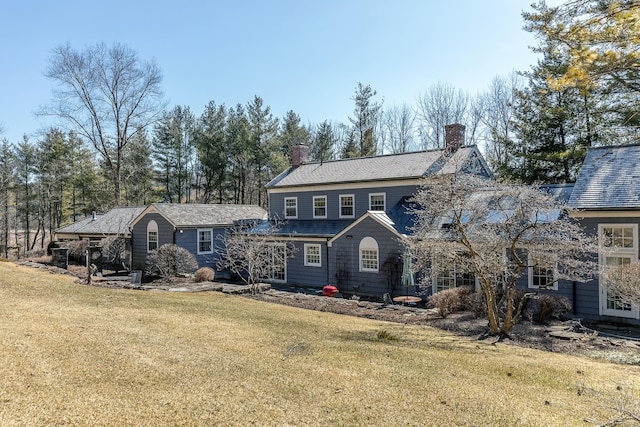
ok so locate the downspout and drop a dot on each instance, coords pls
(327, 262)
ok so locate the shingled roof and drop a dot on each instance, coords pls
(114, 222)
(609, 179)
(386, 167)
(206, 215)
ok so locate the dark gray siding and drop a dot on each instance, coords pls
(299, 274)
(344, 258)
(305, 200)
(139, 237)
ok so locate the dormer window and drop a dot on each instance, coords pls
(291, 207)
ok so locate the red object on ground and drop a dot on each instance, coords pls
(329, 291)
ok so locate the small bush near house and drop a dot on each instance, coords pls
(76, 248)
(204, 274)
(546, 307)
(451, 300)
(170, 260)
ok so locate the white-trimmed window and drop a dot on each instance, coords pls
(449, 276)
(205, 241)
(347, 205)
(152, 236)
(369, 256)
(291, 207)
(276, 261)
(319, 206)
(377, 201)
(542, 274)
(312, 255)
(618, 246)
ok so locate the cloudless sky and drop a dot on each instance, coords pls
(306, 56)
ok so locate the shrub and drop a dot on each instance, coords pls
(204, 274)
(170, 260)
(52, 245)
(546, 307)
(76, 248)
(451, 300)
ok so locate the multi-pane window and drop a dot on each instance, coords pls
(275, 262)
(290, 207)
(320, 206)
(312, 256)
(451, 275)
(377, 201)
(152, 236)
(369, 261)
(205, 242)
(618, 247)
(542, 274)
(346, 206)
(617, 237)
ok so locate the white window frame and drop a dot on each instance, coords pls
(368, 245)
(293, 206)
(605, 252)
(308, 247)
(531, 267)
(384, 201)
(273, 275)
(314, 206)
(152, 227)
(204, 230)
(353, 206)
(451, 274)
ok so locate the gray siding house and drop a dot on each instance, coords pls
(607, 197)
(347, 218)
(195, 227)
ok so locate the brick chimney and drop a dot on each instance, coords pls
(299, 155)
(453, 136)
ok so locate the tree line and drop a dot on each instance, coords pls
(120, 144)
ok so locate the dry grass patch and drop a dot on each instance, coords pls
(73, 354)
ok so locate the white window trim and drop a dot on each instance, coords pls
(353, 206)
(384, 200)
(603, 252)
(530, 265)
(325, 206)
(285, 207)
(271, 278)
(306, 261)
(454, 270)
(369, 243)
(198, 241)
(152, 226)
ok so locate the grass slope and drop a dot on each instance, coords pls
(78, 355)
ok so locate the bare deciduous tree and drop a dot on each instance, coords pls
(491, 230)
(254, 256)
(106, 95)
(440, 105)
(623, 282)
(398, 129)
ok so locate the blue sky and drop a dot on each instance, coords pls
(297, 55)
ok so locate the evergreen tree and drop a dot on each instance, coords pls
(26, 196)
(137, 172)
(364, 122)
(322, 148)
(263, 128)
(211, 142)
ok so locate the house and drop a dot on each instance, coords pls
(194, 227)
(606, 196)
(97, 227)
(347, 218)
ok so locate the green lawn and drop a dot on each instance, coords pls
(77, 355)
